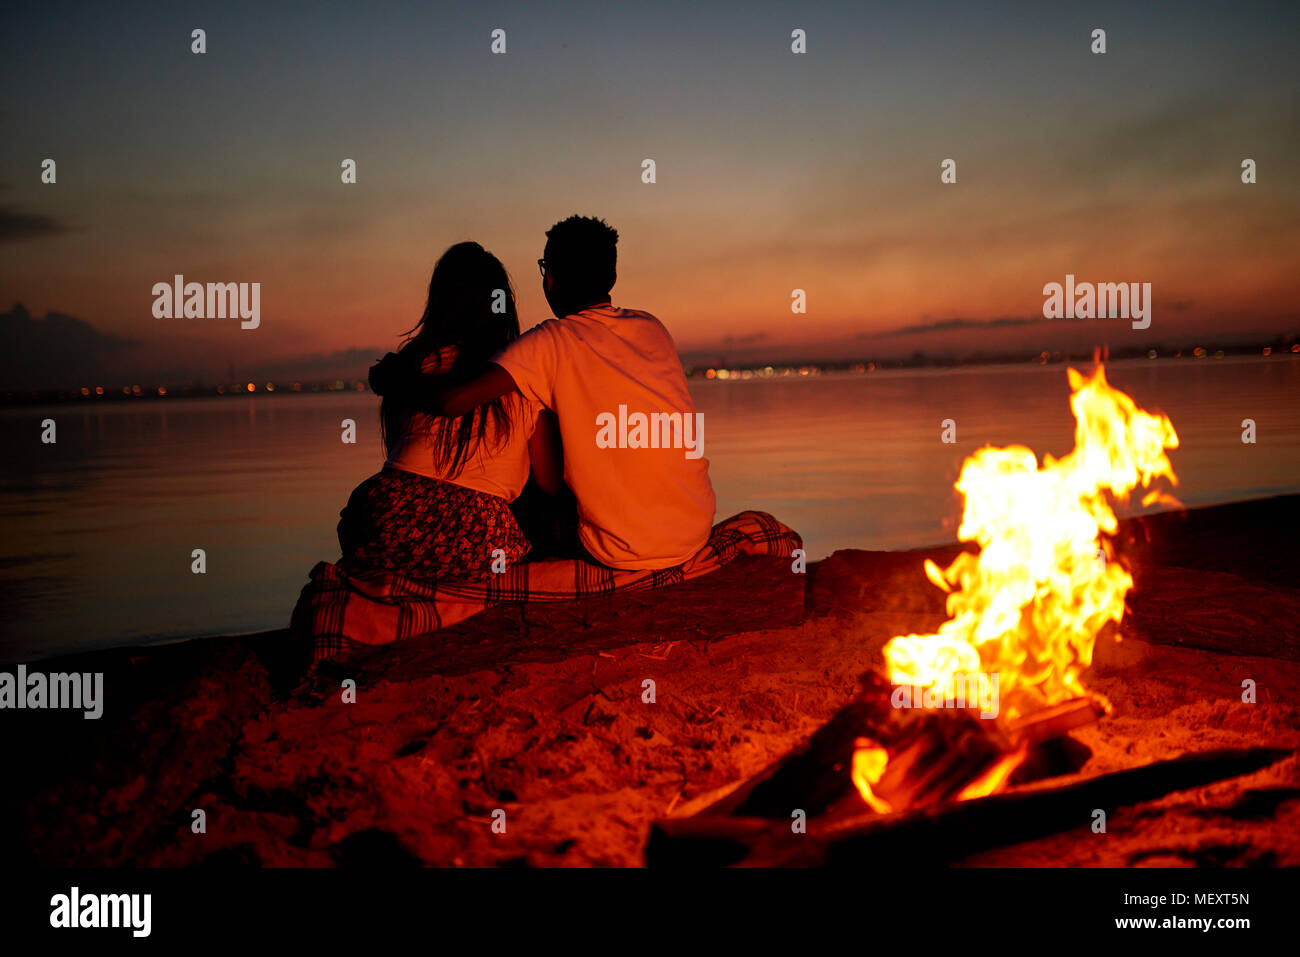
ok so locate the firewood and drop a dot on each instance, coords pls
(933, 754)
(945, 832)
(1055, 720)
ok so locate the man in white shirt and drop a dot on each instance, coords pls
(633, 442)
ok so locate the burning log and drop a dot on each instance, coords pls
(941, 833)
(933, 755)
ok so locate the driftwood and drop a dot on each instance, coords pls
(942, 833)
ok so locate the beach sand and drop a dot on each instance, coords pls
(539, 712)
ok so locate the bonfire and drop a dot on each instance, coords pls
(1026, 609)
(960, 739)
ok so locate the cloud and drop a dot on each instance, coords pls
(17, 226)
(950, 325)
(748, 339)
(351, 363)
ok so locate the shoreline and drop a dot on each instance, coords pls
(142, 646)
(138, 647)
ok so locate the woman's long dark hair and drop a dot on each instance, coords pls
(471, 305)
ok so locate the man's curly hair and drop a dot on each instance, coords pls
(582, 255)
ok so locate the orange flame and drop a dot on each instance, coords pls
(992, 780)
(869, 760)
(1030, 603)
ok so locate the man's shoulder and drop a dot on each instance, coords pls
(548, 325)
(620, 320)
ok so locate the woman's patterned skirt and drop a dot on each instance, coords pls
(424, 528)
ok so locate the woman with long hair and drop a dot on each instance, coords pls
(440, 507)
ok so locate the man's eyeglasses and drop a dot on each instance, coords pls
(541, 266)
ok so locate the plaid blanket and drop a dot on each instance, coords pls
(341, 610)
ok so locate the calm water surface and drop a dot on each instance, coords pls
(99, 527)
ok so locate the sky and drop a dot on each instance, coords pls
(775, 171)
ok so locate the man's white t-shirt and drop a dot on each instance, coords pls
(638, 507)
(498, 465)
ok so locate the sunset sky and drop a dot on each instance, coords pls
(775, 171)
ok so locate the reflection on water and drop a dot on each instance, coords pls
(99, 528)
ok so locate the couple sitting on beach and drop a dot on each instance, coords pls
(502, 447)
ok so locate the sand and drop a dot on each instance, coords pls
(540, 713)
